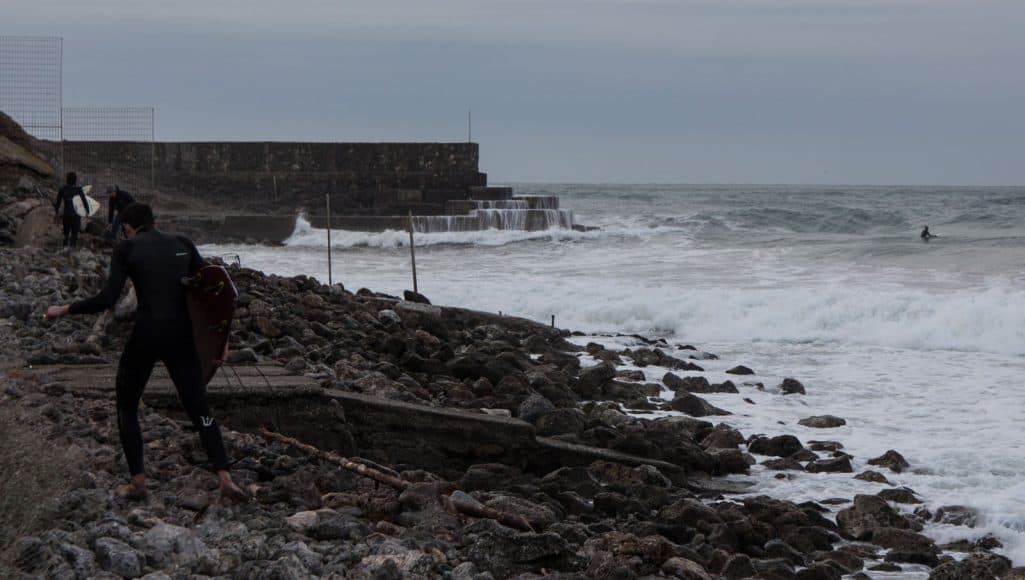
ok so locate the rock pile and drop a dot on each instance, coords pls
(311, 518)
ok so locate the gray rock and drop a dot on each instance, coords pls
(118, 558)
(840, 464)
(164, 542)
(678, 567)
(822, 422)
(695, 406)
(867, 514)
(82, 561)
(778, 446)
(892, 460)
(533, 408)
(978, 565)
(310, 561)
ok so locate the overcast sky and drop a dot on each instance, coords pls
(716, 91)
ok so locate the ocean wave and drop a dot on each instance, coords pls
(305, 235)
(964, 320)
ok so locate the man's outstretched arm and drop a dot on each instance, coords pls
(106, 297)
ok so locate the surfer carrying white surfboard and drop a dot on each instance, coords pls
(72, 221)
(926, 234)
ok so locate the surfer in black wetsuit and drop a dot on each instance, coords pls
(926, 234)
(116, 203)
(72, 221)
(156, 263)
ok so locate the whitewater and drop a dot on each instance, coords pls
(920, 346)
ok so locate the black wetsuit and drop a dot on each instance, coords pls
(72, 221)
(117, 204)
(156, 263)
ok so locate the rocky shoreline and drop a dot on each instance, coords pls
(671, 514)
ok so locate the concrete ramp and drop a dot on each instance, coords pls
(401, 434)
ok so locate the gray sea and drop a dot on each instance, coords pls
(920, 346)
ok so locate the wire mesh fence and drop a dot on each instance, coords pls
(111, 146)
(31, 69)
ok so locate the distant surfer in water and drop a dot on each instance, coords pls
(72, 221)
(156, 263)
(926, 234)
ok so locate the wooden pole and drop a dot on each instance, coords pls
(412, 252)
(457, 502)
(330, 282)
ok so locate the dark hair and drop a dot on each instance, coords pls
(137, 215)
(72, 178)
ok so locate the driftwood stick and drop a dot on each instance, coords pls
(359, 468)
(466, 504)
(458, 502)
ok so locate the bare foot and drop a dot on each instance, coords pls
(234, 493)
(130, 491)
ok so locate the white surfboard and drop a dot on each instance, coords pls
(82, 210)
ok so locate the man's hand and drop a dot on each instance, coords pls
(55, 312)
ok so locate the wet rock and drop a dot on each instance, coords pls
(867, 514)
(695, 406)
(821, 571)
(416, 297)
(696, 384)
(822, 422)
(631, 375)
(978, 565)
(778, 446)
(740, 370)
(722, 437)
(892, 460)
(783, 464)
(906, 546)
(591, 381)
(956, 515)
(831, 465)
(791, 386)
(899, 495)
(873, 476)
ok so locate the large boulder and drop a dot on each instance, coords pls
(868, 514)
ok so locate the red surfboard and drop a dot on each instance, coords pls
(210, 295)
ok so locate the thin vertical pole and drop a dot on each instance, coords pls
(60, 107)
(469, 126)
(412, 251)
(152, 148)
(330, 281)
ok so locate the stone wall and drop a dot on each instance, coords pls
(362, 178)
